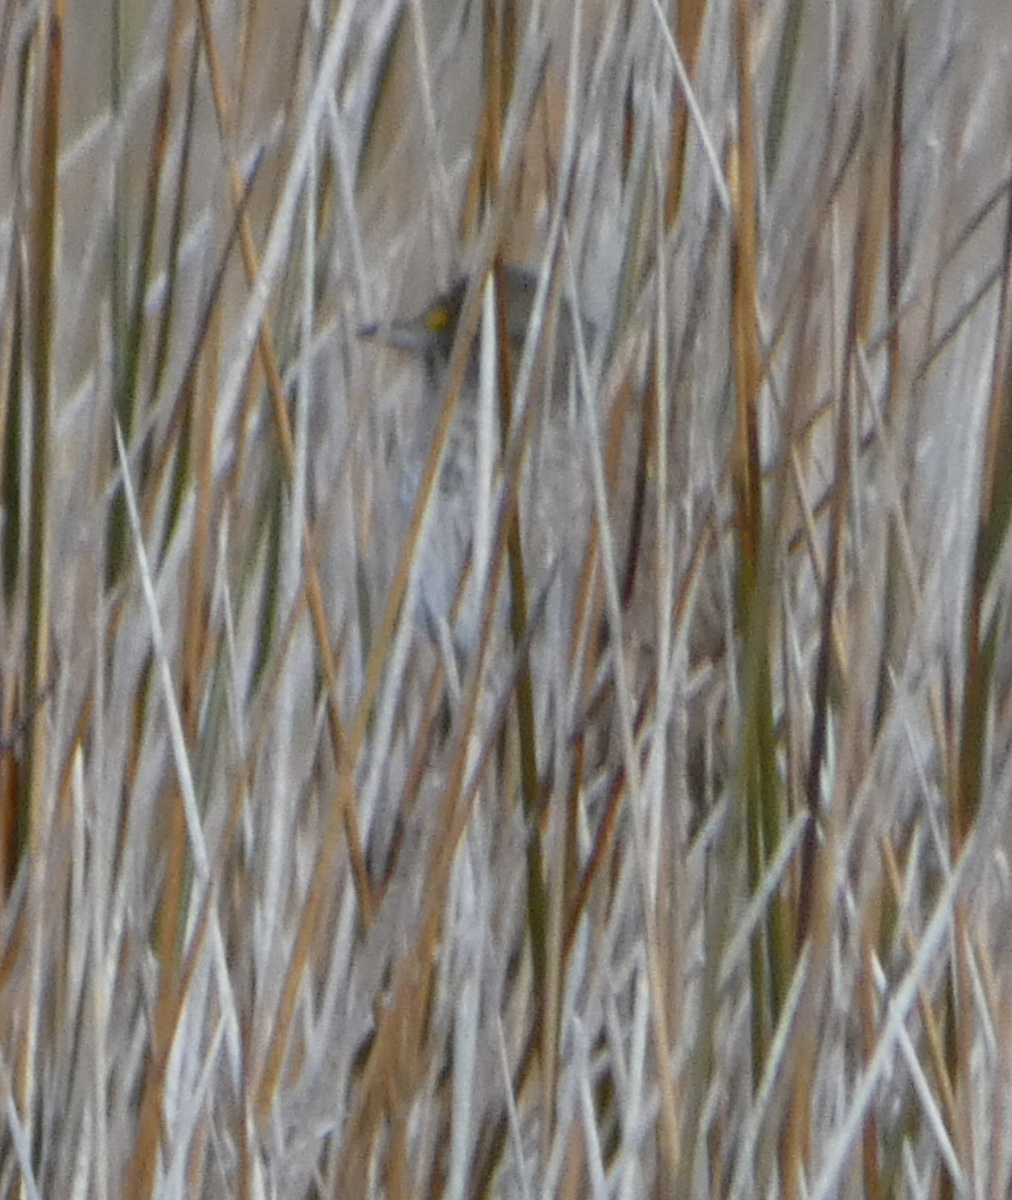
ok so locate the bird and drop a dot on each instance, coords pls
(554, 506)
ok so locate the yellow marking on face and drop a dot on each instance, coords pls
(439, 318)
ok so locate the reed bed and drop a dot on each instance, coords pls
(685, 872)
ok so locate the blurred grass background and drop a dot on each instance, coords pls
(696, 881)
